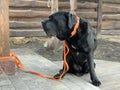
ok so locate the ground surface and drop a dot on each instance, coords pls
(108, 47)
(108, 72)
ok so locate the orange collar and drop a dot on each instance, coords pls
(75, 27)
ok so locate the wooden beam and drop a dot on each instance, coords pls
(6, 65)
(51, 44)
(88, 15)
(99, 16)
(110, 32)
(73, 5)
(111, 1)
(111, 8)
(4, 28)
(111, 17)
(27, 33)
(28, 3)
(111, 25)
(28, 13)
(25, 25)
(54, 6)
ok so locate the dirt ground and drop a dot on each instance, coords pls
(108, 47)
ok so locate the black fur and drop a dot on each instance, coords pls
(82, 44)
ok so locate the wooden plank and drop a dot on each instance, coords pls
(28, 13)
(109, 82)
(111, 17)
(110, 32)
(54, 6)
(111, 25)
(88, 5)
(28, 25)
(99, 16)
(87, 0)
(86, 9)
(73, 5)
(93, 23)
(80, 0)
(88, 15)
(111, 4)
(64, 5)
(109, 8)
(4, 28)
(40, 64)
(32, 19)
(26, 3)
(27, 33)
(111, 1)
(24, 24)
(80, 5)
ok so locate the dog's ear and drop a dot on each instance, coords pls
(84, 25)
(71, 20)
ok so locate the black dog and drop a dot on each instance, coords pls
(82, 44)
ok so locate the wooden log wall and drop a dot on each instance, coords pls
(85, 8)
(111, 17)
(26, 15)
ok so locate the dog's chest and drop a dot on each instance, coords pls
(77, 50)
(78, 46)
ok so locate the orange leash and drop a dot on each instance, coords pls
(20, 65)
(66, 67)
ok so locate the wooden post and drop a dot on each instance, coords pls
(7, 66)
(52, 42)
(73, 6)
(54, 6)
(99, 16)
(4, 28)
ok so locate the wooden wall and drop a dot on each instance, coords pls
(26, 15)
(85, 8)
(111, 17)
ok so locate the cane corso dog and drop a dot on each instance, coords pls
(82, 45)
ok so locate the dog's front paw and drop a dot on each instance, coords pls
(59, 74)
(96, 82)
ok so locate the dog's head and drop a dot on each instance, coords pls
(61, 25)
